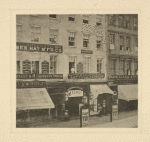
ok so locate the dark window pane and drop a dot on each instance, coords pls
(85, 21)
(53, 16)
(71, 19)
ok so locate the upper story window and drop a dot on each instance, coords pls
(135, 23)
(53, 36)
(99, 43)
(112, 66)
(72, 64)
(128, 43)
(86, 41)
(112, 38)
(127, 22)
(85, 19)
(122, 67)
(19, 32)
(121, 20)
(53, 16)
(87, 64)
(53, 64)
(121, 42)
(71, 39)
(35, 34)
(111, 19)
(18, 67)
(99, 65)
(98, 21)
(128, 67)
(71, 18)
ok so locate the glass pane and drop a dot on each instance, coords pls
(33, 67)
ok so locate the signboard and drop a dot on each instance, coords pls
(26, 67)
(39, 76)
(114, 111)
(87, 51)
(125, 81)
(123, 76)
(74, 93)
(84, 117)
(22, 46)
(30, 84)
(112, 51)
(45, 67)
(86, 76)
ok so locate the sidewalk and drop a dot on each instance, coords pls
(130, 122)
(126, 119)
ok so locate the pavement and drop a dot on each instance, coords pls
(127, 119)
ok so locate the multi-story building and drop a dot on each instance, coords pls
(67, 55)
(122, 45)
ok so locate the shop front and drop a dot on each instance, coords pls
(32, 104)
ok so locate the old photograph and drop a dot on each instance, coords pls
(77, 70)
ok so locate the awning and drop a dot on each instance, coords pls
(33, 98)
(128, 92)
(100, 89)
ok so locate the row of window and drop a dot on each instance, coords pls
(85, 19)
(53, 37)
(124, 41)
(51, 66)
(124, 21)
(122, 69)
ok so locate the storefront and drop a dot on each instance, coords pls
(32, 104)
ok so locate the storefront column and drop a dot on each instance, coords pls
(132, 67)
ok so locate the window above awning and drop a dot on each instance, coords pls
(128, 92)
(33, 98)
(100, 89)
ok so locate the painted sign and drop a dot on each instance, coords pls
(86, 76)
(123, 76)
(84, 117)
(87, 51)
(74, 93)
(39, 76)
(30, 84)
(45, 67)
(22, 46)
(26, 67)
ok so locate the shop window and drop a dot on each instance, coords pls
(99, 65)
(112, 66)
(87, 64)
(121, 42)
(53, 64)
(52, 16)
(26, 67)
(71, 18)
(128, 67)
(71, 39)
(53, 35)
(35, 67)
(18, 67)
(128, 43)
(35, 34)
(121, 21)
(45, 67)
(19, 32)
(122, 67)
(86, 41)
(72, 64)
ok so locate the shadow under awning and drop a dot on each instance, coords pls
(128, 92)
(33, 98)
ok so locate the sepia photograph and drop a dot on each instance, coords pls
(76, 70)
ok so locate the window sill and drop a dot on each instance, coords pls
(72, 46)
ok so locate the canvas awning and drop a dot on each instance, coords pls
(100, 89)
(128, 92)
(33, 98)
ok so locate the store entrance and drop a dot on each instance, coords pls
(73, 105)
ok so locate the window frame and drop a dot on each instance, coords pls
(18, 39)
(50, 16)
(88, 40)
(69, 37)
(75, 63)
(101, 65)
(128, 46)
(114, 67)
(85, 64)
(53, 35)
(34, 26)
(71, 16)
(122, 45)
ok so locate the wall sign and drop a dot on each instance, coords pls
(39, 76)
(39, 47)
(87, 51)
(45, 67)
(126, 81)
(112, 51)
(79, 67)
(86, 76)
(26, 67)
(74, 93)
(30, 84)
(123, 76)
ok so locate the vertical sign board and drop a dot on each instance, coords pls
(84, 117)
(115, 112)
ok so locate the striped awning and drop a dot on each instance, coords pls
(33, 98)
